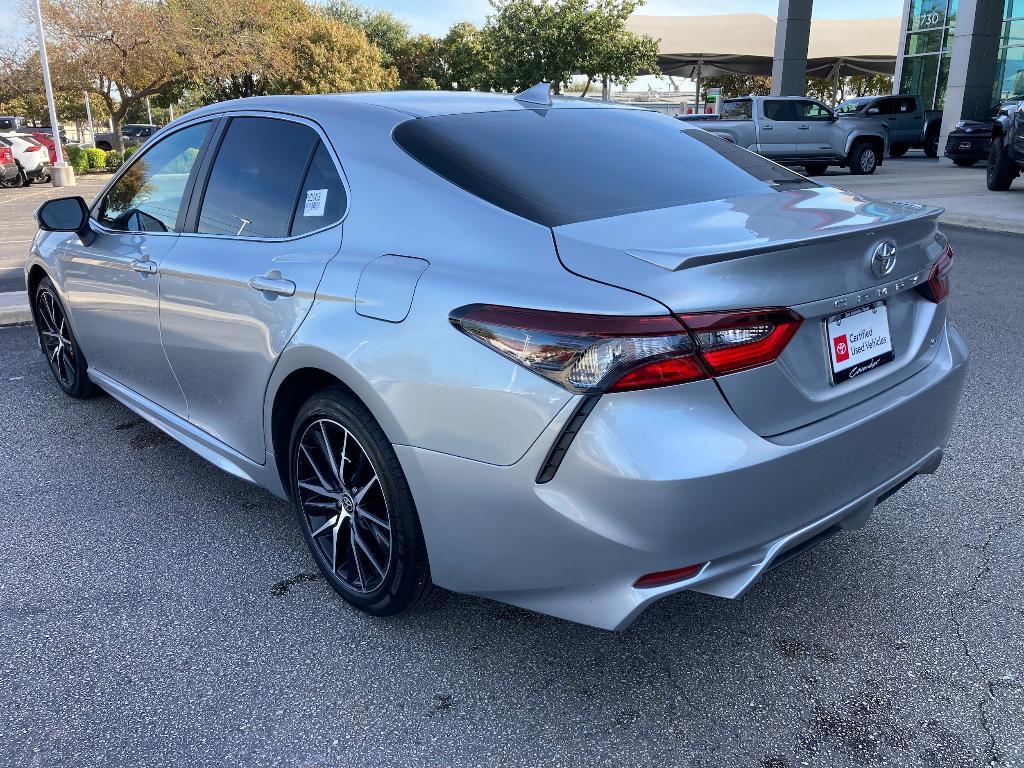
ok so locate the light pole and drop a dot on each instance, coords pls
(63, 175)
(149, 111)
(88, 115)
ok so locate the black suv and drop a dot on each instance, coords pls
(1006, 152)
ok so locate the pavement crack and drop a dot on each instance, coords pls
(993, 755)
(282, 587)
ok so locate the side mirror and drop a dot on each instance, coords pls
(874, 111)
(66, 214)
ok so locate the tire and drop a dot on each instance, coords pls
(104, 146)
(931, 146)
(14, 181)
(965, 163)
(359, 521)
(26, 181)
(57, 341)
(863, 159)
(816, 169)
(1001, 169)
(898, 150)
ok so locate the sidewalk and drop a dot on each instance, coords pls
(961, 191)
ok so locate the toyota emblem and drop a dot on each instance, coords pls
(883, 259)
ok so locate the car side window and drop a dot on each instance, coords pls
(906, 106)
(779, 110)
(255, 182)
(322, 199)
(147, 196)
(741, 109)
(812, 110)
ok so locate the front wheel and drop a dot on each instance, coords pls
(1001, 168)
(354, 506)
(816, 169)
(931, 146)
(15, 181)
(59, 344)
(863, 160)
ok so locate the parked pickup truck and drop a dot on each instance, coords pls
(910, 125)
(794, 130)
(1006, 154)
(132, 134)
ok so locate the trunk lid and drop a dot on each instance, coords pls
(807, 249)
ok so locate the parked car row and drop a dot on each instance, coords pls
(31, 159)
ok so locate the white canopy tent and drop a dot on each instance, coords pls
(744, 43)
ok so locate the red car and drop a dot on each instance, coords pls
(46, 139)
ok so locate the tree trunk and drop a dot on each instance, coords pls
(116, 116)
(586, 88)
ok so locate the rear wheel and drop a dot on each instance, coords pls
(1001, 169)
(59, 345)
(15, 181)
(931, 146)
(816, 169)
(354, 506)
(898, 150)
(863, 159)
(965, 163)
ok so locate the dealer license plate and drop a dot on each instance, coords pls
(858, 341)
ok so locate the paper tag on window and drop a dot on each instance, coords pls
(316, 201)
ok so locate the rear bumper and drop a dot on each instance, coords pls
(666, 478)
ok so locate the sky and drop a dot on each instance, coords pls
(436, 16)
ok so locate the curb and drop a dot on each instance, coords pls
(14, 309)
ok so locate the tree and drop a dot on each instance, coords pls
(533, 41)
(331, 57)
(383, 29)
(736, 85)
(419, 63)
(465, 58)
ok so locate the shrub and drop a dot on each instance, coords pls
(114, 160)
(129, 151)
(97, 158)
(77, 159)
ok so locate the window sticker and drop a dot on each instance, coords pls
(316, 202)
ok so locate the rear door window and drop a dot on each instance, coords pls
(563, 165)
(256, 178)
(779, 111)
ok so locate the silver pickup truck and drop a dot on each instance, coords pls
(794, 130)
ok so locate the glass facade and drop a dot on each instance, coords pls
(927, 49)
(1010, 82)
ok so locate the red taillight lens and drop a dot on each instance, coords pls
(586, 353)
(604, 353)
(937, 287)
(32, 148)
(668, 577)
(735, 341)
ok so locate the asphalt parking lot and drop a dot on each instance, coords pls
(18, 224)
(155, 611)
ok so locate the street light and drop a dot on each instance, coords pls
(62, 175)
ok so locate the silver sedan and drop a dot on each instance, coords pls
(568, 355)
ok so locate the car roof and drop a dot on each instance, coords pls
(412, 103)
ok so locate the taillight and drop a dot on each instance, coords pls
(586, 353)
(937, 287)
(604, 353)
(735, 341)
(32, 148)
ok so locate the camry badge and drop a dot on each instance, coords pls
(883, 259)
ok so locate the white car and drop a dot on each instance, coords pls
(33, 156)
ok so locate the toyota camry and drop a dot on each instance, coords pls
(569, 355)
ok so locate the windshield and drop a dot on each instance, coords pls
(851, 105)
(560, 166)
(133, 130)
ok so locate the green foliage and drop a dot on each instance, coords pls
(532, 41)
(383, 29)
(114, 160)
(77, 158)
(129, 151)
(97, 158)
(736, 85)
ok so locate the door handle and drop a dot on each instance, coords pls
(803, 127)
(145, 266)
(277, 286)
(767, 127)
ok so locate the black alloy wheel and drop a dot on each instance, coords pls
(58, 343)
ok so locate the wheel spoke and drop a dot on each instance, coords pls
(358, 498)
(333, 521)
(366, 551)
(316, 469)
(328, 452)
(373, 519)
(355, 556)
(317, 489)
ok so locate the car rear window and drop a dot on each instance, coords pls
(560, 166)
